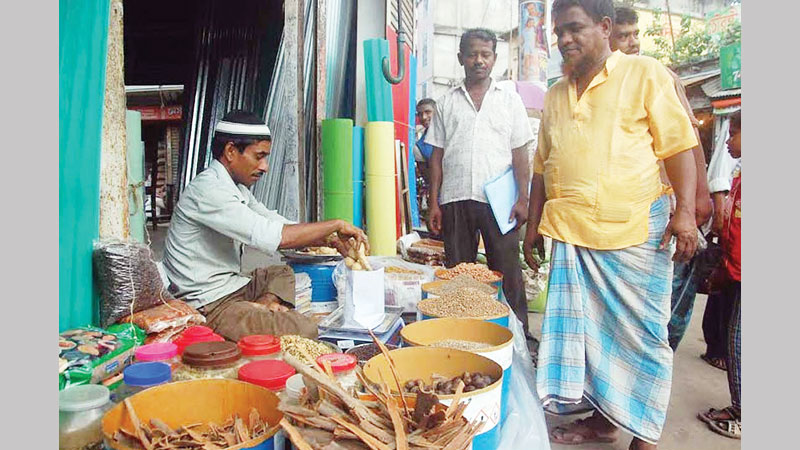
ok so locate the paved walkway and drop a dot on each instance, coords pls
(696, 386)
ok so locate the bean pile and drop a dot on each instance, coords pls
(477, 271)
(458, 282)
(458, 344)
(447, 386)
(293, 344)
(464, 302)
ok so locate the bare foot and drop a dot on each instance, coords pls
(593, 429)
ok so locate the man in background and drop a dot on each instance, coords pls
(686, 277)
(480, 131)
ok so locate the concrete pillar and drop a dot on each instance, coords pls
(114, 223)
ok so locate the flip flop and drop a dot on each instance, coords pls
(590, 436)
(708, 418)
(728, 428)
(718, 363)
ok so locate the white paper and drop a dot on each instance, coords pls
(364, 305)
(501, 193)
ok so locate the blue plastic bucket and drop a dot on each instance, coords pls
(322, 287)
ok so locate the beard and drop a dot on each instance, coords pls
(575, 68)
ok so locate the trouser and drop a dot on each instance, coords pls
(733, 294)
(237, 314)
(461, 223)
(716, 318)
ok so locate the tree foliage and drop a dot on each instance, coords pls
(690, 45)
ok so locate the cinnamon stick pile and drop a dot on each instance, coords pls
(158, 436)
(328, 418)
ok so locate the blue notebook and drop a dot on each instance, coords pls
(501, 192)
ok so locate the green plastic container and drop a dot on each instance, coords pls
(337, 158)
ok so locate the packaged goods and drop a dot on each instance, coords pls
(207, 360)
(171, 315)
(127, 278)
(91, 355)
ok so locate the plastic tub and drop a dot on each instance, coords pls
(140, 376)
(295, 386)
(322, 287)
(80, 411)
(194, 335)
(270, 374)
(207, 360)
(422, 362)
(344, 369)
(427, 287)
(500, 339)
(364, 352)
(200, 401)
(259, 347)
(501, 319)
(166, 352)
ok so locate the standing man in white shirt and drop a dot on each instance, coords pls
(213, 221)
(478, 131)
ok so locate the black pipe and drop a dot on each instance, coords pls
(401, 54)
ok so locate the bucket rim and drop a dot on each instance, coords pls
(473, 322)
(499, 316)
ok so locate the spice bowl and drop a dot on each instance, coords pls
(197, 401)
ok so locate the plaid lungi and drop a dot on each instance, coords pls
(604, 335)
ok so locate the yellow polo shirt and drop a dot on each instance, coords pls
(599, 153)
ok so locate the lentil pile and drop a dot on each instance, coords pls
(447, 386)
(458, 344)
(461, 281)
(477, 271)
(464, 302)
(292, 344)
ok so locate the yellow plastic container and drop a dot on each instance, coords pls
(197, 401)
(422, 362)
(501, 340)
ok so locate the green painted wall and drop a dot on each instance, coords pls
(83, 34)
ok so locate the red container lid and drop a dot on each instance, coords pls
(271, 374)
(160, 351)
(194, 335)
(259, 344)
(340, 362)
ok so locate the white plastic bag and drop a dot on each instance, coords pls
(401, 289)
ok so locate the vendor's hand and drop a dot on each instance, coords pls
(435, 219)
(520, 212)
(682, 225)
(347, 231)
(533, 240)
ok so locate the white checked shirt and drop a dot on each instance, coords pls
(213, 220)
(477, 144)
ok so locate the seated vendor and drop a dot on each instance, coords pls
(213, 221)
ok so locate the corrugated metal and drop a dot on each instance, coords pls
(226, 76)
(714, 90)
(698, 77)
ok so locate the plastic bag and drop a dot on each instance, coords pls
(524, 427)
(92, 355)
(401, 289)
(172, 314)
(128, 280)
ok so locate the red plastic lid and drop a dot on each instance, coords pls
(271, 374)
(160, 351)
(196, 334)
(259, 344)
(340, 362)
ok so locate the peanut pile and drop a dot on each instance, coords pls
(477, 271)
(465, 302)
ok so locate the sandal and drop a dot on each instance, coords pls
(715, 415)
(719, 363)
(581, 434)
(730, 428)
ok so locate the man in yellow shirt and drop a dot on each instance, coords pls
(597, 193)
